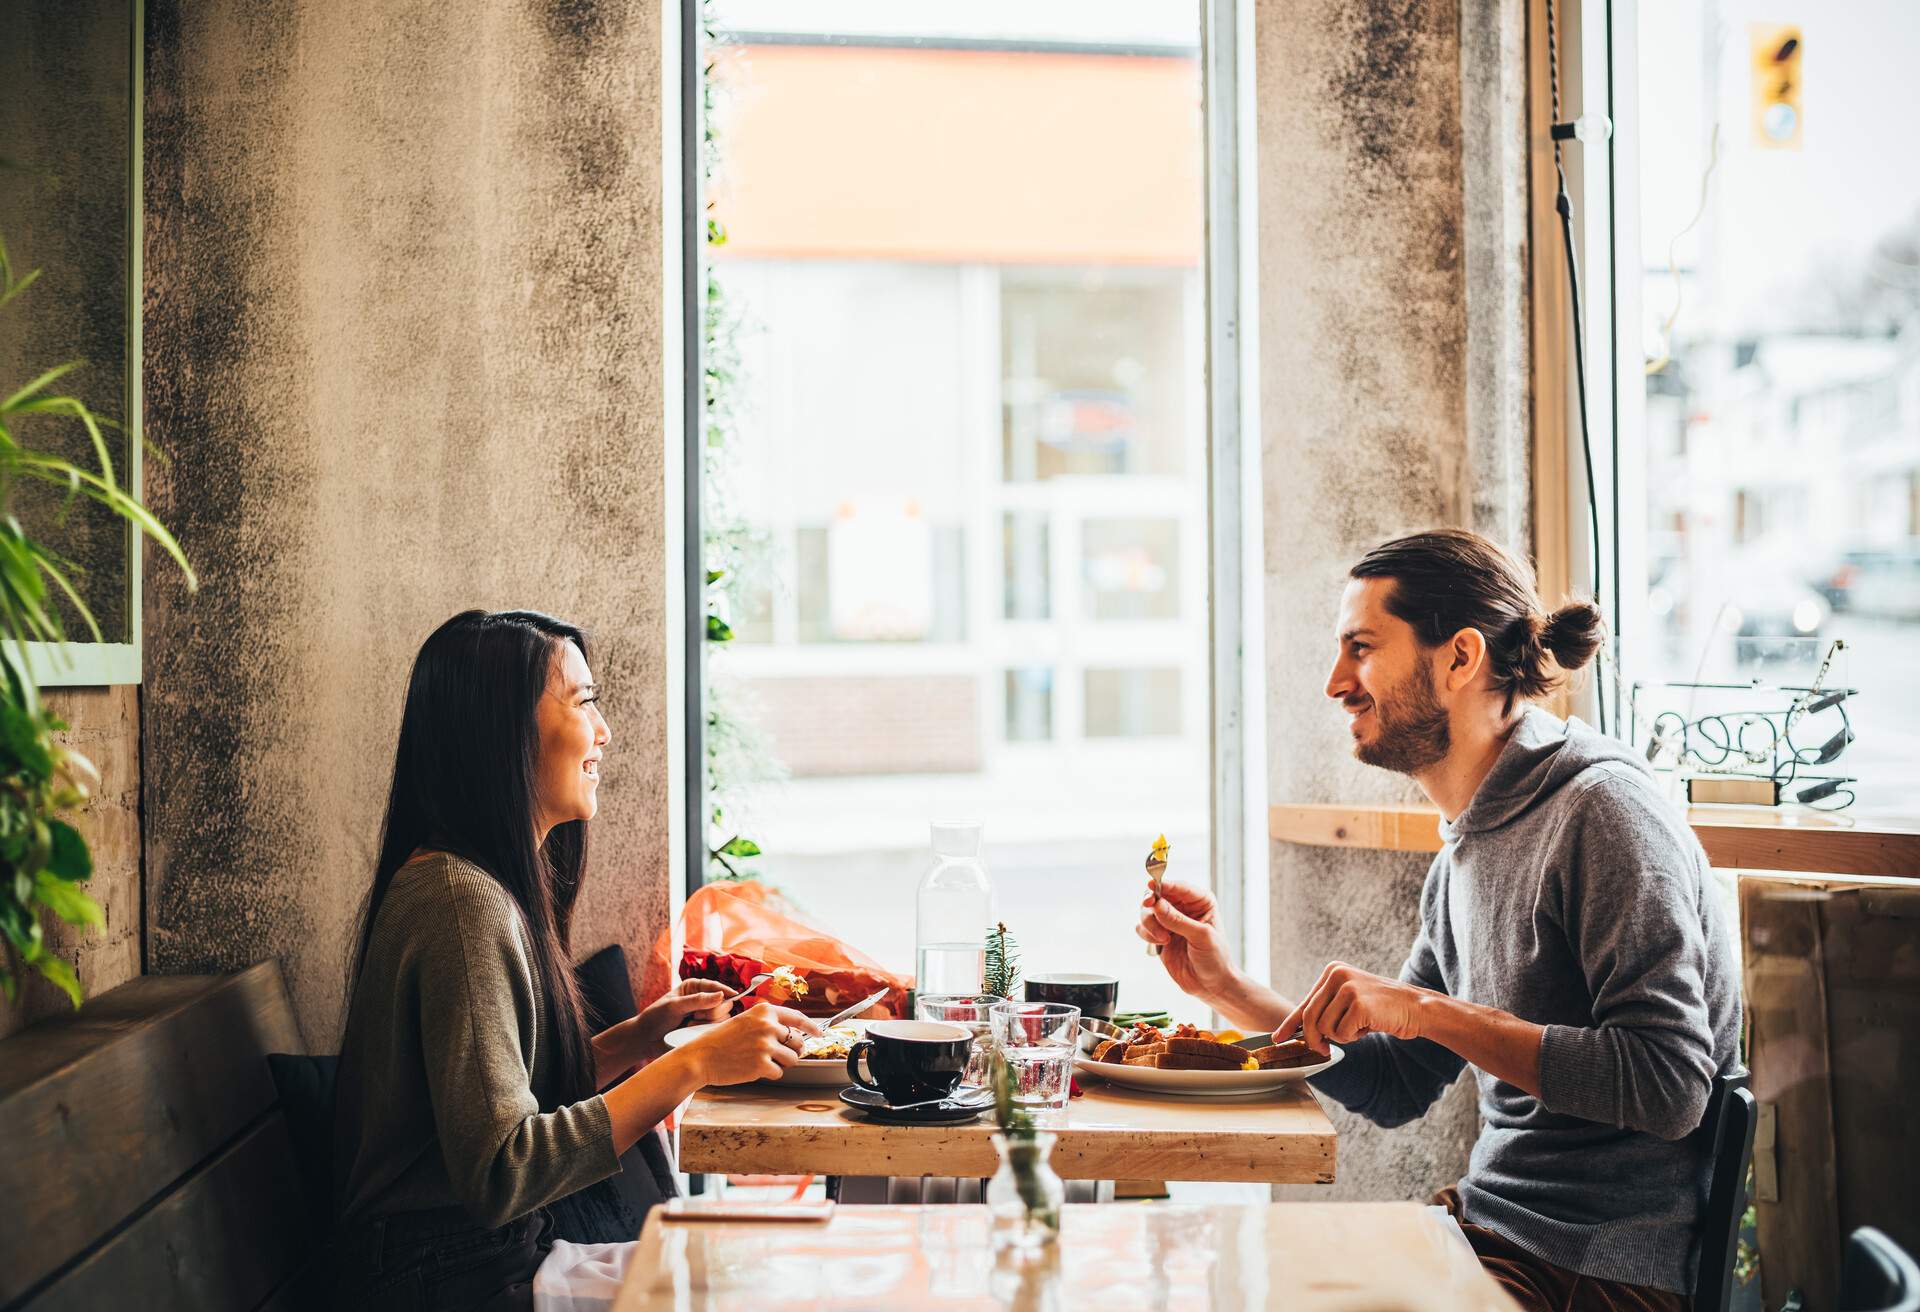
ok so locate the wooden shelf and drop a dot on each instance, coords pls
(1734, 837)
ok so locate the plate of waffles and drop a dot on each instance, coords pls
(1190, 1060)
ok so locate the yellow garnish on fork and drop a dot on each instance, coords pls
(1159, 852)
(789, 982)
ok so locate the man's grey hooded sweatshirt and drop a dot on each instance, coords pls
(1571, 894)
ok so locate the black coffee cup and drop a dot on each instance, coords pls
(1095, 995)
(911, 1060)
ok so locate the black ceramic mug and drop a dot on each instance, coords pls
(1095, 995)
(911, 1060)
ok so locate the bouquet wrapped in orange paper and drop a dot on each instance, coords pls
(727, 927)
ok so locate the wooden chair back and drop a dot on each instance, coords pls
(143, 1155)
(1726, 1132)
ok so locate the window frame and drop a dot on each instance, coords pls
(78, 663)
(1225, 348)
(1602, 183)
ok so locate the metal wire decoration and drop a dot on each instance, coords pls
(1785, 744)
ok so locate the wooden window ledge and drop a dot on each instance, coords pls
(1744, 838)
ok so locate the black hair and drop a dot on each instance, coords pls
(1449, 579)
(463, 783)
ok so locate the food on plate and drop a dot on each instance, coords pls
(1180, 1061)
(1207, 1048)
(1186, 1048)
(828, 991)
(787, 985)
(1284, 1056)
(834, 1045)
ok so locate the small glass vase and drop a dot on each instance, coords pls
(1024, 1197)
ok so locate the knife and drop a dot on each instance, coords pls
(855, 1009)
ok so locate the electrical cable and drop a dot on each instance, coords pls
(1563, 203)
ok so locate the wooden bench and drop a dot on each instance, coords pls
(144, 1158)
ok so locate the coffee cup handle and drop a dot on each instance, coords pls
(854, 1054)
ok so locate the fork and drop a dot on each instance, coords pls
(1155, 869)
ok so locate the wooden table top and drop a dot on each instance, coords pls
(1109, 1133)
(1312, 1256)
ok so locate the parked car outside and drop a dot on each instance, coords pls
(1883, 583)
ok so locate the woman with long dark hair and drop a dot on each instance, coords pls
(472, 1095)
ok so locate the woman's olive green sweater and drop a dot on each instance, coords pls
(447, 1037)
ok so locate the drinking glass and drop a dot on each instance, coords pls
(973, 1013)
(1039, 1040)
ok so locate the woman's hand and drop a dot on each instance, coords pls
(755, 1045)
(1185, 922)
(704, 1000)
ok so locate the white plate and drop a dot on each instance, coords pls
(1205, 1084)
(823, 1074)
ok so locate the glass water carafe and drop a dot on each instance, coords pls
(954, 910)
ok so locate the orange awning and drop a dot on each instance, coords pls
(861, 152)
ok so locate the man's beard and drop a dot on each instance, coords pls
(1413, 732)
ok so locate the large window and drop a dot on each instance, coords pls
(961, 482)
(1768, 285)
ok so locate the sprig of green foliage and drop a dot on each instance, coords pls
(1015, 1121)
(43, 860)
(1001, 975)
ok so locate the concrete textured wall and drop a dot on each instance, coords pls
(404, 343)
(1393, 398)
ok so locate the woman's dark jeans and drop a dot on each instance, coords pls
(440, 1261)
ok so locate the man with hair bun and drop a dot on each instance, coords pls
(1571, 950)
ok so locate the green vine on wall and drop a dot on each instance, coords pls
(738, 755)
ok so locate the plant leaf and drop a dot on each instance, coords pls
(62, 974)
(738, 846)
(718, 630)
(68, 901)
(68, 859)
(22, 740)
(11, 292)
(44, 380)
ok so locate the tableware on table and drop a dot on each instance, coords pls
(940, 1111)
(1156, 869)
(1204, 1084)
(952, 910)
(841, 1017)
(1039, 1041)
(1095, 995)
(911, 1060)
(807, 1073)
(973, 1013)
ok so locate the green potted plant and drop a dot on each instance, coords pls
(44, 861)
